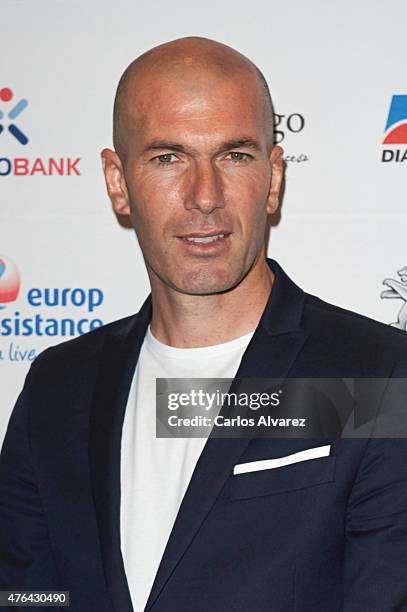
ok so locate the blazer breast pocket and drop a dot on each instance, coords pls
(283, 479)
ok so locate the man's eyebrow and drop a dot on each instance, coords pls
(249, 143)
(159, 145)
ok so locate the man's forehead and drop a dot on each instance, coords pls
(193, 103)
(190, 89)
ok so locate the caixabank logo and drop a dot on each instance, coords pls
(41, 312)
(11, 109)
(6, 95)
(396, 131)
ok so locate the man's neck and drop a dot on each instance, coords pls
(188, 321)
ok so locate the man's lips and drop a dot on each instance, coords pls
(202, 238)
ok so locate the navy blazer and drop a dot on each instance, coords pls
(324, 535)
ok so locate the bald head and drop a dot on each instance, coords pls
(189, 63)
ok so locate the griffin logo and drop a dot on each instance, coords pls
(398, 290)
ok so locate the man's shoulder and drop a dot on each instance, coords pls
(333, 330)
(353, 332)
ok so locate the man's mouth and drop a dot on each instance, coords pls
(204, 239)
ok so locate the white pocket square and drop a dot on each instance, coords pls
(267, 464)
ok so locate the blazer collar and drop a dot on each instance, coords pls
(271, 352)
(284, 308)
(272, 348)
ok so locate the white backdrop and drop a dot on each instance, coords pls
(343, 222)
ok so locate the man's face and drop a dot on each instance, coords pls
(198, 180)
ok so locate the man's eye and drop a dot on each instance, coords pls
(165, 159)
(236, 156)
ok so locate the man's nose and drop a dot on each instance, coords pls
(206, 190)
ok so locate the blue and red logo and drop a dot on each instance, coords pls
(42, 312)
(396, 126)
(396, 131)
(23, 166)
(9, 281)
(6, 95)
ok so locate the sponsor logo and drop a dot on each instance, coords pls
(22, 166)
(398, 290)
(285, 126)
(6, 95)
(10, 111)
(9, 281)
(42, 312)
(396, 131)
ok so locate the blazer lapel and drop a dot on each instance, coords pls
(117, 364)
(272, 351)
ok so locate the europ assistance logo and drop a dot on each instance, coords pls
(9, 281)
(396, 131)
(41, 312)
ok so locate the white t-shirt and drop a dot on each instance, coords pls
(155, 472)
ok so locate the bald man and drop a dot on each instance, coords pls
(91, 501)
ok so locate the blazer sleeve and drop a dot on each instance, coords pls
(375, 570)
(26, 561)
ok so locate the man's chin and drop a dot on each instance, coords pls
(206, 284)
(216, 278)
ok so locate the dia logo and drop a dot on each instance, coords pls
(396, 131)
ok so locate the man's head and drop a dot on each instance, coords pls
(193, 133)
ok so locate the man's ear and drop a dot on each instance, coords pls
(277, 173)
(115, 182)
